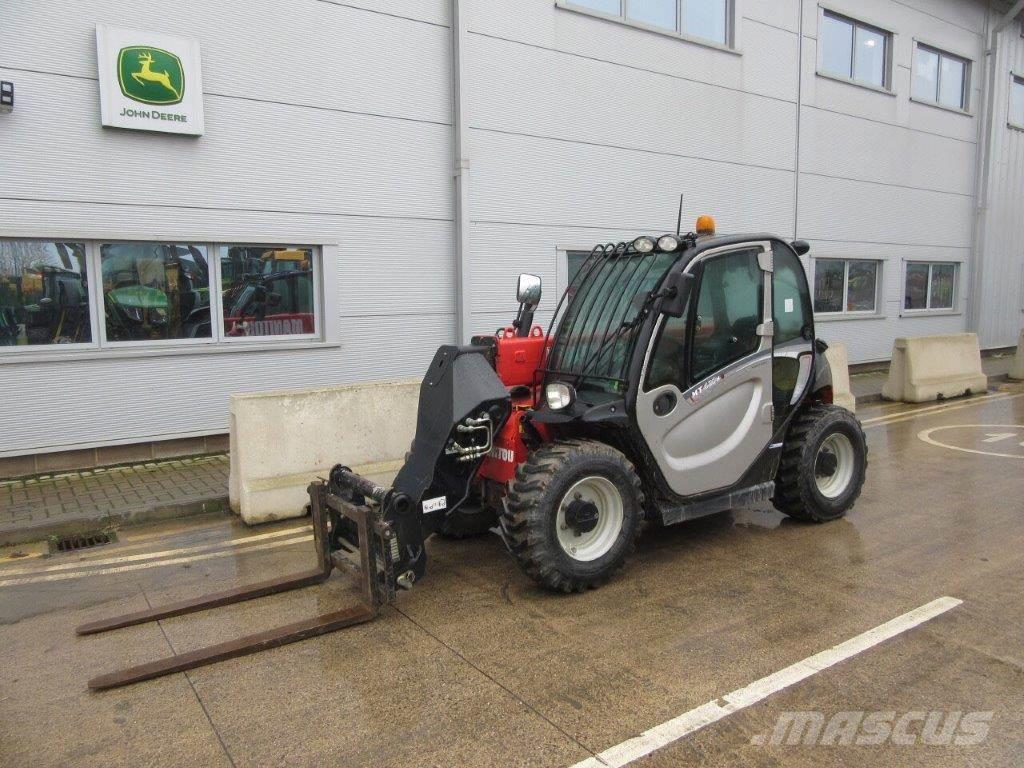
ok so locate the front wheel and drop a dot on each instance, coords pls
(572, 514)
(823, 465)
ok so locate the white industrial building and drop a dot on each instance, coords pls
(383, 169)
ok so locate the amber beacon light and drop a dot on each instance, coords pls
(705, 226)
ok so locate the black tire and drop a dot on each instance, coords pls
(530, 516)
(797, 492)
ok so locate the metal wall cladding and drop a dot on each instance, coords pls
(331, 122)
(1001, 276)
(325, 122)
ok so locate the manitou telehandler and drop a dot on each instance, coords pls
(682, 377)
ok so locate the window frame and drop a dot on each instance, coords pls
(1016, 81)
(325, 298)
(845, 313)
(965, 94)
(928, 309)
(733, 14)
(890, 45)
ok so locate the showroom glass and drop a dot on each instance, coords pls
(845, 285)
(155, 291)
(44, 293)
(267, 291)
(706, 19)
(1017, 102)
(930, 286)
(854, 50)
(939, 78)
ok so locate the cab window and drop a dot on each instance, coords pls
(790, 307)
(729, 310)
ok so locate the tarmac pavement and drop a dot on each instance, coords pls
(721, 620)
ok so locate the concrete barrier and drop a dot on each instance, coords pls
(280, 441)
(934, 367)
(839, 364)
(1017, 365)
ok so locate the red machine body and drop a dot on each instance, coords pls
(517, 360)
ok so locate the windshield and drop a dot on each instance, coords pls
(603, 311)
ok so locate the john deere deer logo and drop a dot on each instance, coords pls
(150, 75)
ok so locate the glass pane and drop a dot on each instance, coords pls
(667, 364)
(942, 286)
(155, 291)
(728, 312)
(926, 74)
(706, 19)
(606, 6)
(44, 293)
(1017, 102)
(658, 13)
(836, 46)
(869, 61)
(951, 84)
(863, 277)
(789, 287)
(917, 287)
(828, 285)
(267, 291)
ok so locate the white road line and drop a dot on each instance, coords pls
(155, 564)
(713, 711)
(926, 436)
(881, 421)
(85, 563)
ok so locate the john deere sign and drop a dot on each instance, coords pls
(149, 81)
(150, 75)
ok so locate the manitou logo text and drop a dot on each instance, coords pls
(150, 75)
(697, 393)
(503, 454)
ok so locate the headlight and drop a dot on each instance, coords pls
(668, 243)
(644, 244)
(559, 395)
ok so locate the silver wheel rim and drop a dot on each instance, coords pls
(838, 446)
(602, 493)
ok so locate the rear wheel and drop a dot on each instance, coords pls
(823, 465)
(572, 514)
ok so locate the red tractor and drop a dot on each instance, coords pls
(680, 377)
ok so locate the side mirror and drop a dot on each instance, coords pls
(528, 290)
(801, 247)
(677, 294)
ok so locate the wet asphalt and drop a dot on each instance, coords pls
(478, 667)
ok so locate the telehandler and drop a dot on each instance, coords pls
(680, 376)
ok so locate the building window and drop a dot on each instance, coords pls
(704, 19)
(267, 291)
(940, 77)
(854, 51)
(930, 286)
(845, 286)
(44, 294)
(155, 293)
(1017, 102)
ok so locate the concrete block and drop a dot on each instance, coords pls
(281, 441)
(934, 367)
(839, 364)
(1017, 365)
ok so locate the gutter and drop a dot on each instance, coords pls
(463, 322)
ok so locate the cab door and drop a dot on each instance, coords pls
(705, 401)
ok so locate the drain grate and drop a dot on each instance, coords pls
(77, 541)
